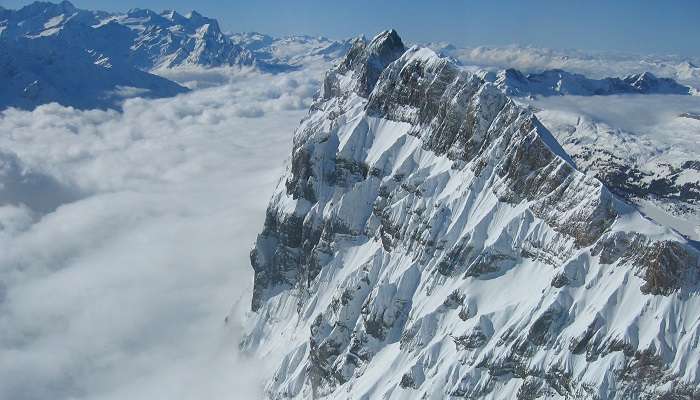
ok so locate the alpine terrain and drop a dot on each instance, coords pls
(94, 59)
(431, 239)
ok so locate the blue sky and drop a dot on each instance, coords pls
(643, 26)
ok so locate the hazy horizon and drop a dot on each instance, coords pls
(657, 28)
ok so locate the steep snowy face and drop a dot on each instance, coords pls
(559, 82)
(140, 38)
(365, 61)
(657, 172)
(431, 239)
(170, 39)
(48, 69)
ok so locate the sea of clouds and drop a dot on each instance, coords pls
(125, 238)
(654, 120)
(591, 64)
(124, 235)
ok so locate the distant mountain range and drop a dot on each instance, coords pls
(95, 59)
(55, 52)
(294, 50)
(597, 65)
(559, 82)
(141, 38)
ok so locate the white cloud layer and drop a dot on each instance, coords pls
(655, 121)
(124, 238)
(594, 65)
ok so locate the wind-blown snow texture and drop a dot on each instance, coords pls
(431, 239)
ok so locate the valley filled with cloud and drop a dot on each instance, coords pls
(127, 237)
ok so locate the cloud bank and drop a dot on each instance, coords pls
(124, 238)
(594, 65)
(654, 120)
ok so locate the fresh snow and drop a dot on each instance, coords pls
(137, 223)
(642, 131)
(379, 320)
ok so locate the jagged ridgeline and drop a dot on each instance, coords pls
(430, 239)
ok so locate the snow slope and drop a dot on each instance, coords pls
(431, 239)
(645, 148)
(44, 70)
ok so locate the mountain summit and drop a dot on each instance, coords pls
(143, 38)
(431, 239)
(367, 60)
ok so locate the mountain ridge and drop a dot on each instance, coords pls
(559, 82)
(402, 210)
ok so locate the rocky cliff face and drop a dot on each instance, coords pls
(431, 239)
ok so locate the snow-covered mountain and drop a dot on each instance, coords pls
(431, 239)
(560, 82)
(58, 53)
(170, 39)
(141, 38)
(593, 64)
(298, 50)
(45, 69)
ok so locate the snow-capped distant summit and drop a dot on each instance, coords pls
(44, 41)
(55, 52)
(431, 239)
(292, 51)
(141, 37)
(44, 70)
(592, 64)
(560, 82)
(176, 40)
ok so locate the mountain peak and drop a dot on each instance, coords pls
(387, 41)
(173, 16)
(368, 60)
(39, 6)
(194, 16)
(403, 216)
